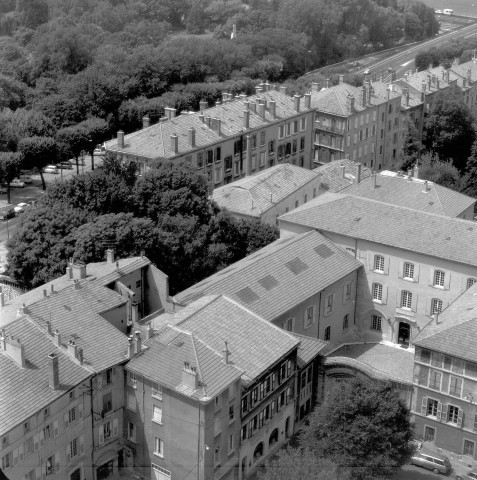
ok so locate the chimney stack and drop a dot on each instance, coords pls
(261, 111)
(3, 340)
(130, 353)
(146, 122)
(296, 101)
(57, 338)
(110, 255)
(77, 284)
(416, 171)
(315, 87)
(203, 105)
(226, 354)
(53, 371)
(363, 96)
(150, 330)
(258, 89)
(79, 270)
(283, 89)
(120, 138)
(170, 113)
(308, 100)
(358, 173)
(342, 171)
(201, 118)
(21, 311)
(192, 137)
(374, 181)
(246, 119)
(189, 376)
(48, 327)
(72, 349)
(253, 107)
(174, 143)
(69, 272)
(52, 288)
(426, 186)
(341, 79)
(137, 348)
(272, 107)
(45, 293)
(328, 83)
(80, 356)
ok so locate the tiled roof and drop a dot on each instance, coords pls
(25, 391)
(410, 192)
(414, 96)
(456, 331)
(254, 343)
(256, 194)
(463, 71)
(167, 351)
(356, 217)
(417, 79)
(155, 142)
(309, 348)
(332, 179)
(384, 361)
(279, 276)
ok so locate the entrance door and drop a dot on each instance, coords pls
(404, 333)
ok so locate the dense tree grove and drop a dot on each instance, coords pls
(166, 213)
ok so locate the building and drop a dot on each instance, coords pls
(206, 387)
(269, 193)
(414, 263)
(445, 378)
(340, 174)
(237, 138)
(304, 284)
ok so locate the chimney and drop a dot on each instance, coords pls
(409, 174)
(261, 111)
(215, 124)
(120, 139)
(189, 376)
(469, 76)
(203, 105)
(69, 272)
(72, 349)
(225, 97)
(218, 103)
(137, 347)
(57, 338)
(192, 137)
(201, 118)
(429, 82)
(272, 107)
(436, 317)
(48, 327)
(447, 76)
(423, 92)
(406, 75)
(393, 76)
(53, 371)
(3, 340)
(308, 100)
(80, 356)
(150, 330)
(328, 83)
(283, 90)
(226, 354)
(146, 122)
(130, 353)
(246, 119)
(315, 87)
(374, 181)
(77, 285)
(405, 92)
(253, 107)
(110, 255)
(296, 101)
(464, 82)
(341, 79)
(174, 143)
(363, 96)
(246, 105)
(52, 288)
(258, 89)
(45, 293)
(248, 157)
(79, 270)
(342, 171)
(437, 82)
(358, 173)
(170, 112)
(21, 311)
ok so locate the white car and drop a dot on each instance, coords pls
(366, 72)
(20, 207)
(438, 11)
(50, 169)
(16, 183)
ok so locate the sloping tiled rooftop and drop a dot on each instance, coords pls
(377, 360)
(24, 391)
(433, 84)
(154, 142)
(309, 348)
(332, 178)
(167, 351)
(456, 330)
(412, 193)
(279, 276)
(356, 217)
(254, 343)
(256, 194)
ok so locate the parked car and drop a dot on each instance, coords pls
(472, 475)
(65, 166)
(7, 212)
(366, 72)
(3, 188)
(437, 462)
(26, 179)
(438, 11)
(20, 207)
(16, 183)
(50, 169)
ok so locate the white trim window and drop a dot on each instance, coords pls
(329, 303)
(376, 322)
(455, 386)
(348, 291)
(379, 263)
(158, 447)
(452, 414)
(468, 448)
(132, 380)
(160, 473)
(157, 414)
(439, 278)
(408, 271)
(308, 317)
(281, 132)
(156, 390)
(406, 299)
(288, 325)
(377, 292)
(436, 306)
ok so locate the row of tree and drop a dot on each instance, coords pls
(167, 213)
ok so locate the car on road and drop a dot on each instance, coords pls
(472, 475)
(438, 11)
(16, 183)
(7, 212)
(21, 207)
(65, 165)
(366, 72)
(50, 169)
(437, 462)
(26, 178)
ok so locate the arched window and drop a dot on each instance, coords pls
(258, 452)
(273, 438)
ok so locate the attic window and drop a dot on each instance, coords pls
(323, 251)
(296, 266)
(247, 295)
(268, 283)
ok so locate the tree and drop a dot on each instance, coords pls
(362, 426)
(32, 13)
(443, 173)
(10, 164)
(469, 180)
(411, 146)
(95, 130)
(450, 131)
(37, 153)
(76, 139)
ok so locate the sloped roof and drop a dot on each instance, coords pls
(417, 79)
(24, 391)
(456, 331)
(464, 69)
(332, 179)
(279, 276)
(412, 193)
(256, 194)
(440, 236)
(309, 348)
(167, 351)
(254, 344)
(155, 142)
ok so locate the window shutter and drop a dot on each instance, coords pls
(115, 427)
(416, 272)
(99, 380)
(42, 437)
(386, 265)
(401, 269)
(36, 440)
(101, 434)
(414, 301)
(80, 410)
(56, 428)
(431, 276)
(21, 452)
(65, 418)
(460, 418)
(424, 406)
(447, 278)
(371, 260)
(68, 453)
(81, 443)
(398, 298)
(344, 294)
(385, 295)
(475, 423)
(439, 411)
(57, 461)
(444, 413)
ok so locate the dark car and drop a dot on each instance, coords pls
(472, 475)
(7, 212)
(64, 166)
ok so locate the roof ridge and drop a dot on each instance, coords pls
(194, 348)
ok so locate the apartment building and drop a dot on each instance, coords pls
(303, 284)
(445, 379)
(239, 137)
(414, 263)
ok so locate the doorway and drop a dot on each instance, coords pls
(404, 334)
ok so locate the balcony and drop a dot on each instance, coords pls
(328, 127)
(334, 145)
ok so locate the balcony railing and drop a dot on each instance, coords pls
(329, 128)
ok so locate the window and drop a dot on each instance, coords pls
(218, 154)
(329, 303)
(453, 414)
(218, 175)
(72, 395)
(131, 432)
(471, 281)
(26, 427)
(217, 455)
(327, 333)
(158, 447)
(74, 448)
(429, 434)
(302, 123)
(7, 461)
(436, 306)
(281, 131)
(228, 163)
(302, 144)
(432, 407)
(288, 129)
(439, 276)
(455, 386)
(210, 156)
(294, 146)
(468, 449)
(132, 379)
(271, 146)
(109, 371)
(348, 291)
(160, 473)
(156, 414)
(52, 465)
(107, 402)
(379, 263)
(156, 391)
(237, 147)
(376, 321)
(406, 299)
(308, 320)
(131, 402)
(200, 159)
(254, 142)
(377, 292)
(408, 271)
(262, 138)
(296, 203)
(288, 325)
(346, 321)
(435, 380)
(231, 443)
